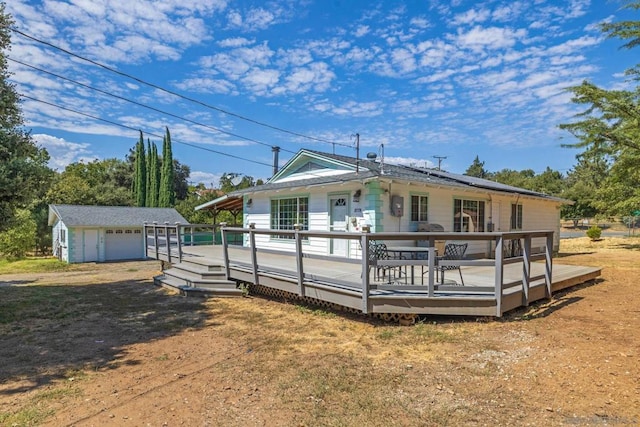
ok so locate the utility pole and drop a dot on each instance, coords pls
(357, 153)
(440, 159)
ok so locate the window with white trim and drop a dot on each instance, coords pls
(419, 205)
(468, 215)
(285, 213)
(516, 216)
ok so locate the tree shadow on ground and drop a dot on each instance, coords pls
(50, 332)
(543, 308)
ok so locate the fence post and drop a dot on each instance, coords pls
(299, 263)
(432, 268)
(548, 256)
(155, 238)
(225, 247)
(526, 269)
(254, 255)
(364, 243)
(167, 240)
(146, 241)
(499, 273)
(178, 236)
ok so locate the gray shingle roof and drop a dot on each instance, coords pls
(406, 173)
(112, 216)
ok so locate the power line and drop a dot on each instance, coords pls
(137, 79)
(144, 105)
(139, 130)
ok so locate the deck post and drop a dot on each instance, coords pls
(179, 242)
(364, 244)
(254, 255)
(526, 270)
(155, 237)
(298, 237)
(432, 267)
(499, 273)
(167, 240)
(146, 241)
(548, 255)
(191, 242)
(225, 248)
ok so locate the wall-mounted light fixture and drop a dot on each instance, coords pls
(249, 203)
(356, 195)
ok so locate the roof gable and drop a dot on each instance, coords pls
(307, 164)
(112, 216)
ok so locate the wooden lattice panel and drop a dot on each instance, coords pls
(401, 318)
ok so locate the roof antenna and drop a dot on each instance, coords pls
(381, 159)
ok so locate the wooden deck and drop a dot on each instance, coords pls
(491, 286)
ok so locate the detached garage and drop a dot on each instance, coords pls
(103, 233)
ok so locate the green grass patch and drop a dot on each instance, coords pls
(34, 265)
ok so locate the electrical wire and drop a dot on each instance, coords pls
(139, 80)
(139, 130)
(144, 105)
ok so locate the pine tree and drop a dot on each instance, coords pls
(166, 196)
(154, 175)
(140, 182)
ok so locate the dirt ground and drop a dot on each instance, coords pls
(104, 346)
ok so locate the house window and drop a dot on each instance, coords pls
(419, 206)
(516, 216)
(118, 231)
(128, 231)
(468, 215)
(63, 236)
(109, 231)
(137, 231)
(287, 212)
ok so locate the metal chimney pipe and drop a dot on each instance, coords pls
(276, 151)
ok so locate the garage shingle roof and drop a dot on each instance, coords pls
(112, 216)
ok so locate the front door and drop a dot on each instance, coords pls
(338, 210)
(90, 245)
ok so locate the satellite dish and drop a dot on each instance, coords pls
(372, 156)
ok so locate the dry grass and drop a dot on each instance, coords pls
(255, 361)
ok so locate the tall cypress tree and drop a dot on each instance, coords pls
(147, 185)
(154, 175)
(140, 176)
(166, 196)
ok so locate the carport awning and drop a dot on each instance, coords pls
(223, 203)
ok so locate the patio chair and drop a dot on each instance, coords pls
(379, 251)
(452, 252)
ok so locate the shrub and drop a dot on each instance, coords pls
(594, 232)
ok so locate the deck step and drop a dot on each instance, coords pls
(215, 289)
(192, 274)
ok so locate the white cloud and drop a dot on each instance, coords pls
(362, 30)
(210, 180)
(62, 152)
(410, 161)
(493, 38)
(471, 17)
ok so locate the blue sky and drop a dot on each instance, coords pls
(425, 78)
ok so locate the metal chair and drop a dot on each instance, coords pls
(452, 252)
(379, 251)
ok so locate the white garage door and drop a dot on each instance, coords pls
(123, 244)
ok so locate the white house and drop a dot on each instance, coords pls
(323, 191)
(103, 233)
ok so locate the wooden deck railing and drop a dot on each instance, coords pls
(501, 257)
(165, 241)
